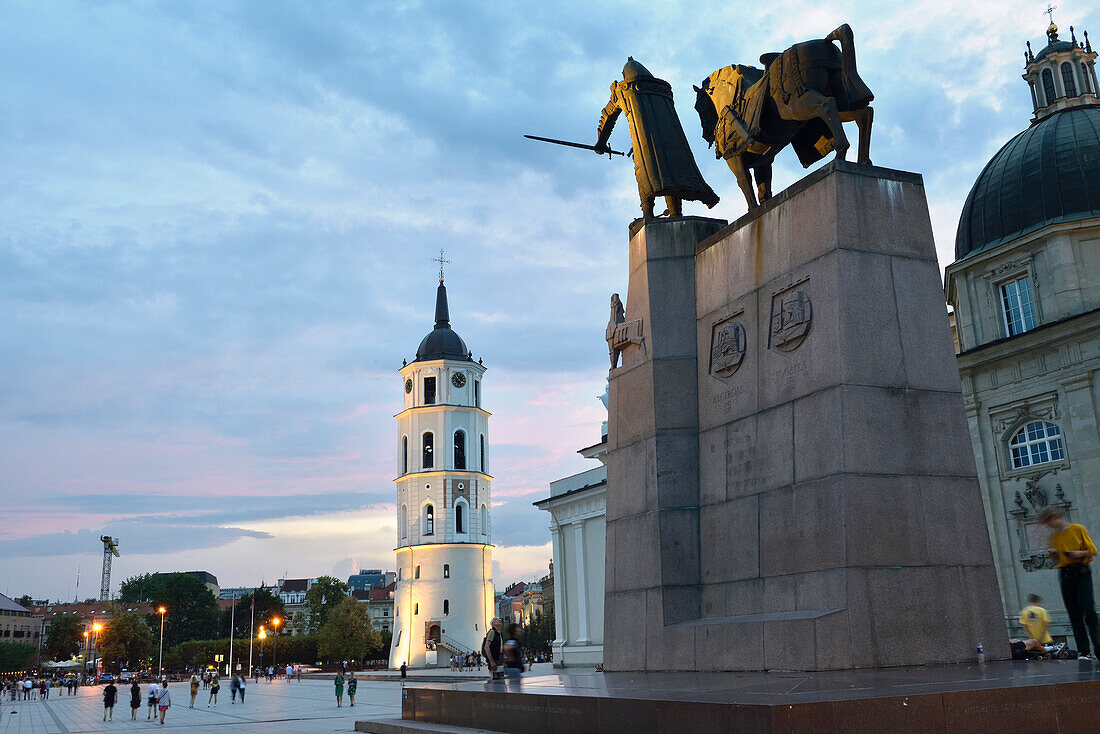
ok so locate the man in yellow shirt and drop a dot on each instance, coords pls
(1073, 551)
(1036, 620)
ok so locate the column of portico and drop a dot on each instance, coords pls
(582, 593)
(1080, 410)
(560, 580)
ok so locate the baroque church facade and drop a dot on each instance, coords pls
(443, 598)
(1025, 289)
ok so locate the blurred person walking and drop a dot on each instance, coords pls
(1073, 551)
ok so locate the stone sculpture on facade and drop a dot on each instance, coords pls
(663, 162)
(800, 97)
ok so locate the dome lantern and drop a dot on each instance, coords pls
(1061, 75)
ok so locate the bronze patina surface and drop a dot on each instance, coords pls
(801, 97)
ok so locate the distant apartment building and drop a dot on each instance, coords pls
(372, 578)
(379, 605)
(19, 624)
(292, 592)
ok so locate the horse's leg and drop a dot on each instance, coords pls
(647, 208)
(763, 171)
(863, 119)
(744, 180)
(810, 105)
(675, 206)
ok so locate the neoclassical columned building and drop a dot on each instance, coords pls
(444, 594)
(1025, 288)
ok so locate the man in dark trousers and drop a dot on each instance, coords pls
(1073, 551)
(110, 694)
(493, 648)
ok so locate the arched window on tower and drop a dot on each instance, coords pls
(403, 522)
(460, 449)
(429, 446)
(446, 570)
(416, 572)
(1039, 442)
(1048, 87)
(1068, 79)
(404, 454)
(1086, 83)
(446, 607)
(461, 510)
(484, 520)
(483, 467)
(429, 520)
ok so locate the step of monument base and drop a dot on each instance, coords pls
(1046, 696)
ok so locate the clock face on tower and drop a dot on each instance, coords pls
(458, 380)
(408, 385)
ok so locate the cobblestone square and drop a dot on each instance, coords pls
(281, 707)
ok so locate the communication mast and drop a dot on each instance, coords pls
(110, 548)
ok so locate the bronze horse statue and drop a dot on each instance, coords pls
(800, 97)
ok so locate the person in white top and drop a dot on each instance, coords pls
(164, 700)
(153, 690)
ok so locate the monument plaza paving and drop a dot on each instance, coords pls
(271, 708)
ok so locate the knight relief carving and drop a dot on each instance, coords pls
(727, 347)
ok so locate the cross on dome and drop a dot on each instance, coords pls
(441, 260)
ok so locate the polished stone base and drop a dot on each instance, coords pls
(1042, 696)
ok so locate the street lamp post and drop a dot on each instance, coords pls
(275, 643)
(96, 627)
(160, 658)
(84, 659)
(263, 636)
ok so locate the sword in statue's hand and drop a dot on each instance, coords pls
(576, 145)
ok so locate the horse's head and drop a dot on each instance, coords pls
(708, 116)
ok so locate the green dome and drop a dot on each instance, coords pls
(1047, 174)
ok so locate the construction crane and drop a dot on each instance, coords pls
(110, 548)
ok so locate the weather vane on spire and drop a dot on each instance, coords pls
(1050, 12)
(441, 261)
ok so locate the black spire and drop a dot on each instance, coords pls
(442, 315)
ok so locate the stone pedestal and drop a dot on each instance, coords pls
(790, 480)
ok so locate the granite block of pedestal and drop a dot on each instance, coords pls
(790, 478)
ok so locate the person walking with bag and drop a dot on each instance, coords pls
(164, 700)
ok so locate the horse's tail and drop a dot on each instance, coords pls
(856, 94)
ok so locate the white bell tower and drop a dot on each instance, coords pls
(444, 594)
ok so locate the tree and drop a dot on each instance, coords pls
(125, 640)
(139, 589)
(539, 632)
(347, 633)
(193, 612)
(25, 600)
(16, 657)
(322, 598)
(65, 637)
(267, 606)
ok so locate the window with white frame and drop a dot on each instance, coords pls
(1018, 305)
(1039, 442)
